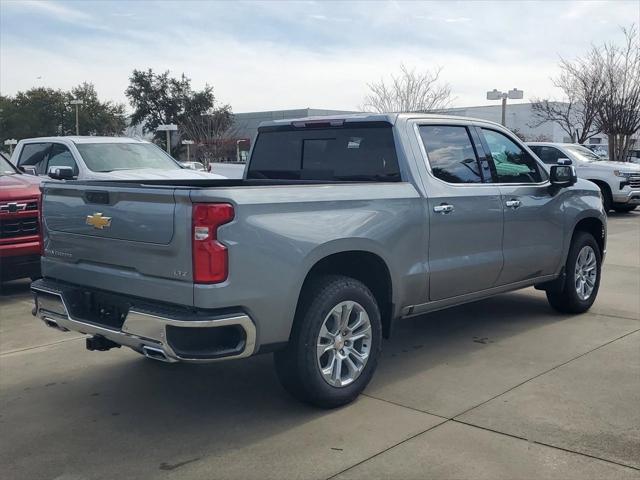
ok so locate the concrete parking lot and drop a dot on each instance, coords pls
(502, 388)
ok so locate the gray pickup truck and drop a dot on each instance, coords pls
(339, 227)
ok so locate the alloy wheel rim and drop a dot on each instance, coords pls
(586, 272)
(344, 344)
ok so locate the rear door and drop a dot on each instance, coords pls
(533, 213)
(465, 213)
(125, 238)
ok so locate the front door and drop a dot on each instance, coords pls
(465, 214)
(533, 214)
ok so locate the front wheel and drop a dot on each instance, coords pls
(335, 343)
(582, 280)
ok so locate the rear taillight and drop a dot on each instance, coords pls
(210, 257)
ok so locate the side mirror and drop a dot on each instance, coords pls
(563, 175)
(29, 170)
(564, 161)
(61, 173)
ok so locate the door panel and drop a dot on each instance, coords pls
(465, 214)
(465, 245)
(533, 226)
(533, 232)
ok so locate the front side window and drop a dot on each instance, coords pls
(33, 155)
(348, 153)
(512, 163)
(60, 156)
(450, 153)
(548, 155)
(107, 157)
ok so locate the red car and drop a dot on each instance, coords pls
(20, 237)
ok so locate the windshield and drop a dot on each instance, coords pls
(6, 168)
(107, 157)
(583, 153)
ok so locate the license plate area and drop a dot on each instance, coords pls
(102, 309)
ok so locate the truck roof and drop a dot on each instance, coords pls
(391, 118)
(85, 139)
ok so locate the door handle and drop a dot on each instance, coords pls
(512, 203)
(444, 208)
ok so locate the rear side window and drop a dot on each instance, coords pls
(345, 153)
(512, 163)
(33, 155)
(450, 153)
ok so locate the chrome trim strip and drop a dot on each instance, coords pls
(141, 329)
(432, 306)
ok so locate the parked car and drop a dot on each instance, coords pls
(193, 166)
(619, 182)
(98, 158)
(20, 239)
(340, 227)
(634, 156)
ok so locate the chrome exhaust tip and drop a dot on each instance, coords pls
(50, 322)
(156, 354)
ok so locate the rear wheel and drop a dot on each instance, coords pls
(335, 343)
(624, 208)
(582, 276)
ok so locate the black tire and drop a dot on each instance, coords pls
(624, 208)
(567, 299)
(298, 366)
(607, 198)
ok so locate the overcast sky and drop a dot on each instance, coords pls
(273, 55)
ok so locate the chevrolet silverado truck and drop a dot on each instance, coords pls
(340, 227)
(19, 223)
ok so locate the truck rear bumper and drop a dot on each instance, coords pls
(168, 335)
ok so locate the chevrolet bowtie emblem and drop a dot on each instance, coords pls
(98, 221)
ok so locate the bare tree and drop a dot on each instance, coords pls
(410, 91)
(211, 133)
(577, 115)
(619, 111)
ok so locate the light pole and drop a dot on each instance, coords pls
(77, 103)
(168, 128)
(513, 94)
(11, 142)
(238, 142)
(187, 143)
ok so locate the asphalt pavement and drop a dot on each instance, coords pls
(503, 388)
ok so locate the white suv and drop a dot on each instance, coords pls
(618, 181)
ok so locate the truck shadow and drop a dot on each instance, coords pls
(14, 289)
(215, 409)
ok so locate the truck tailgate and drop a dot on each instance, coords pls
(119, 238)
